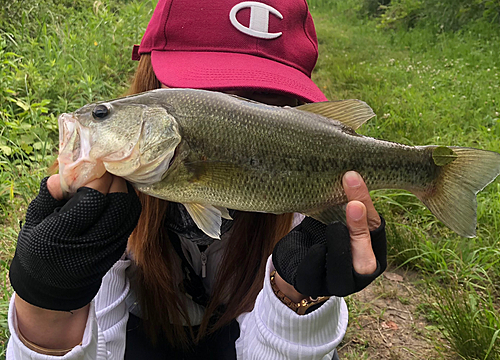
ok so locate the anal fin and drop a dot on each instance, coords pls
(224, 213)
(329, 215)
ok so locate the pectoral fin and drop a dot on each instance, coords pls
(208, 218)
(329, 215)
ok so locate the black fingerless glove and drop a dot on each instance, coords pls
(316, 259)
(66, 247)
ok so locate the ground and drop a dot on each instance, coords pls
(387, 321)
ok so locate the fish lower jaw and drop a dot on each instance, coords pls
(78, 173)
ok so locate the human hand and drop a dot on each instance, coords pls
(322, 260)
(66, 246)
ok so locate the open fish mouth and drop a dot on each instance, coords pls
(140, 160)
(76, 168)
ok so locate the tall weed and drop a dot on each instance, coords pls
(471, 321)
(55, 57)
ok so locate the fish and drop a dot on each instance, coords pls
(212, 151)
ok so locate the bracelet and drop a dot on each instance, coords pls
(301, 307)
(41, 350)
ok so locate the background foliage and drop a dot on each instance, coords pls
(430, 70)
(448, 15)
(428, 84)
(55, 56)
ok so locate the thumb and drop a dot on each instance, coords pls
(363, 258)
(54, 187)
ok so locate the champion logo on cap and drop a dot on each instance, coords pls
(259, 19)
(258, 45)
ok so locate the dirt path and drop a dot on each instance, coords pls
(387, 322)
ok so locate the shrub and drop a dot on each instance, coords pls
(447, 15)
(373, 8)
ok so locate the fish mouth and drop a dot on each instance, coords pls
(76, 168)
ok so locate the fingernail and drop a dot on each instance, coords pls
(355, 212)
(352, 179)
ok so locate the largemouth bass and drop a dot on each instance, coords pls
(212, 151)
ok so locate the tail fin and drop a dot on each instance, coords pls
(453, 199)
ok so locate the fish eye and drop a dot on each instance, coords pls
(100, 112)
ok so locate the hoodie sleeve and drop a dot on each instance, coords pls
(273, 331)
(105, 331)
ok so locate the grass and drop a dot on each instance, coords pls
(54, 58)
(53, 63)
(426, 86)
(471, 325)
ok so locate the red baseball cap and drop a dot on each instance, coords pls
(266, 45)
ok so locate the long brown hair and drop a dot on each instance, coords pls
(240, 275)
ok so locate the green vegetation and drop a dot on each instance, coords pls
(448, 15)
(55, 56)
(428, 84)
(54, 60)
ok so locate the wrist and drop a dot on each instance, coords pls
(42, 329)
(301, 307)
(287, 289)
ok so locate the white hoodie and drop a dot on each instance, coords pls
(270, 331)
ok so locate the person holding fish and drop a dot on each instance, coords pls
(208, 260)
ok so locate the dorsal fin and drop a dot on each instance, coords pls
(352, 112)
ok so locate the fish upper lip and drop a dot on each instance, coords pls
(71, 127)
(74, 150)
(65, 121)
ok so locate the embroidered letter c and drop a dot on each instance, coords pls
(259, 19)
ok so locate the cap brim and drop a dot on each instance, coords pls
(229, 71)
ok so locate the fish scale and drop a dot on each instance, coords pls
(211, 151)
(313, 180)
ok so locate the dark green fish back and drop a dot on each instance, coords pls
(248, 156)
(279, 159)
